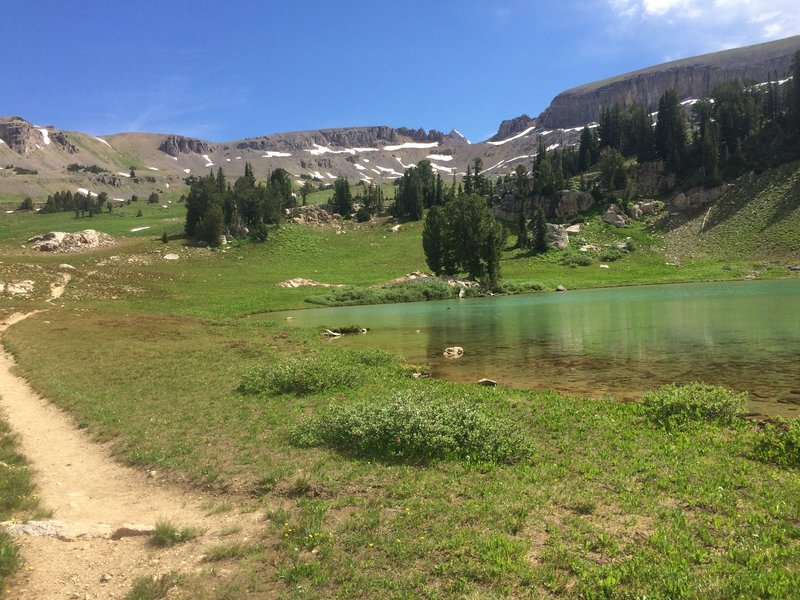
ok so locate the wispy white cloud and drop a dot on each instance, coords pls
(755, 20)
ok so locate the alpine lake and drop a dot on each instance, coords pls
(611, 342)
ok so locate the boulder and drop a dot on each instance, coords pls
(557, 236)
(453, 352)
(58, 241)
(569, 203)
(697, 197)
(561, 288)
(574, 229)
(171, 256)
(648, 207)
(614, 216)
(635, 212)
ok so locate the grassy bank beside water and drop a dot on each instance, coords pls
(555, 497)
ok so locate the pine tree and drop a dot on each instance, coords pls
(586, 150)
(468, 187)
(539, 226)
(670, 132)
(434, 240)
(342, 198)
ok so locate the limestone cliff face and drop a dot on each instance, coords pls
(345, 137)
(691, 78)
(23, 138)
(511, 127)
(175, 145)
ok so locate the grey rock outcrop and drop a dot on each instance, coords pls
(175, 145)
(697, 197)
(23, 138)
(615, 216)
(58, 241)
(557, 236)
(691, 78)
(568, 203)
(509, 127)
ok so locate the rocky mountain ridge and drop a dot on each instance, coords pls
(35, 160)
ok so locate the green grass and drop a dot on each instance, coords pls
(16, 498)
(169, 534)
(154, 588)
(603, 502)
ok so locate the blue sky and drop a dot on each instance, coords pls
(227, 70)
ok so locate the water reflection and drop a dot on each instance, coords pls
(618, 342)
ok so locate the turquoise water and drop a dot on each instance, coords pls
(616, 342)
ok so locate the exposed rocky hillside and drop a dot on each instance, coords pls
(38, 160)
(757, 217)
(691, 77)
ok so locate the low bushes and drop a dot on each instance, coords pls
(410, 291)
(416, 428)
(779, 443)
(313, 374)
(675, 406)
(572, 258)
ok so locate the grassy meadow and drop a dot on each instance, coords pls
(380, 484)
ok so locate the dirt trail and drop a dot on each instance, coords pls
(92, 496)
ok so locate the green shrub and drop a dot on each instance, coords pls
(571, 258)
(258, 233)
(521, 288)
(9, 557)
(418, 290)
(363, 215)
(610, 255)
(674, 405)
(779, 443)
(313, 374)
(416, 428)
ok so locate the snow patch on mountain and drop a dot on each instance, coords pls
(441, 157)
(448, 170)
(360, 167)
(102, 140)
(45, 135)
(209, 162)
(274, 154)
(461, 135)
(400, 160)
(513, 137)
(120, 173)
(86, 192)
(389, 170)
(411, 146)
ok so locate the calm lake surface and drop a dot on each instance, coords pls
(616, 342)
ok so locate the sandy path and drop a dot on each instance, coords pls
(93, 495)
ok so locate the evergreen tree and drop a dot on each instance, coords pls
(710, 155)
(521, 193)
(342, 198)
(587, 150)
(670, 132)
(305, 190)
(612, 169)
(640, 137)
(539, 231)
(434, 240)
(735, 113)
